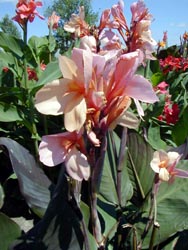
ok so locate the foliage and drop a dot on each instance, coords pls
(113, 120)
(8, 26)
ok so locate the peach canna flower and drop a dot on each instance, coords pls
(53, 21)
(164, 164)
(69, 95)
(26, 11)
(67, 147)
(77, 25)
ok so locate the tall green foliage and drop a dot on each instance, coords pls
(8, 26)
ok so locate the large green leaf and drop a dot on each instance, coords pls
(11, 44)
(7, 59)
(140, 154)
(59, 229)
(172, 209)
(52, 72)
(9, 231)
(115, 186)
(9, 113)
(180, 130)
(108, 180)
(34, 184)
(154, 138)
(38, 44)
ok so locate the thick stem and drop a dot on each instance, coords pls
(156, 227)
(95, 183)
(122, 153)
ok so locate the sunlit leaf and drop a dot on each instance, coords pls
(11, 44)
(141, 175)
(9, 113)
(52, 72)
(172, 212)
(154, 138)
(9, 231)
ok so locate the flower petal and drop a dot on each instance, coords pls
(181, 173)
(154, 164)
(77, 165)
(164, 174)
(48, 98)
(140, 88)
(67, 67)
(74, 119)
(51, 151)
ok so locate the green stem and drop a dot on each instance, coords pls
(153, 235)
(120, 165)
(30, 97)
(146, 69)
(25, 61)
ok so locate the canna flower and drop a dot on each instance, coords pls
(26, 11)
(32, 75)
(185, 36)
(71, 94)
(67, 147)
(53, 21)
(77, 25)
(125, 84)
(170, 112)
(164, 164)
(140, 33)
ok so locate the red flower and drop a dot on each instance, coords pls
(170, 113)
(171, 63)
(26, 10)
(32, 75)
(161, 87)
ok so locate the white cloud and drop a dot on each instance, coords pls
(179, 25)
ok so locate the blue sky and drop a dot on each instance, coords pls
(168, 16)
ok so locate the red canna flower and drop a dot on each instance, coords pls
(32, 75)
(26, 11)
(170, 113)
(171, 63)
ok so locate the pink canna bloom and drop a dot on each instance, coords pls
(67, 147)
(164, 164)
(126, 84)
(26, 11)
(53, 21)
(77, 25)
(140, 33)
